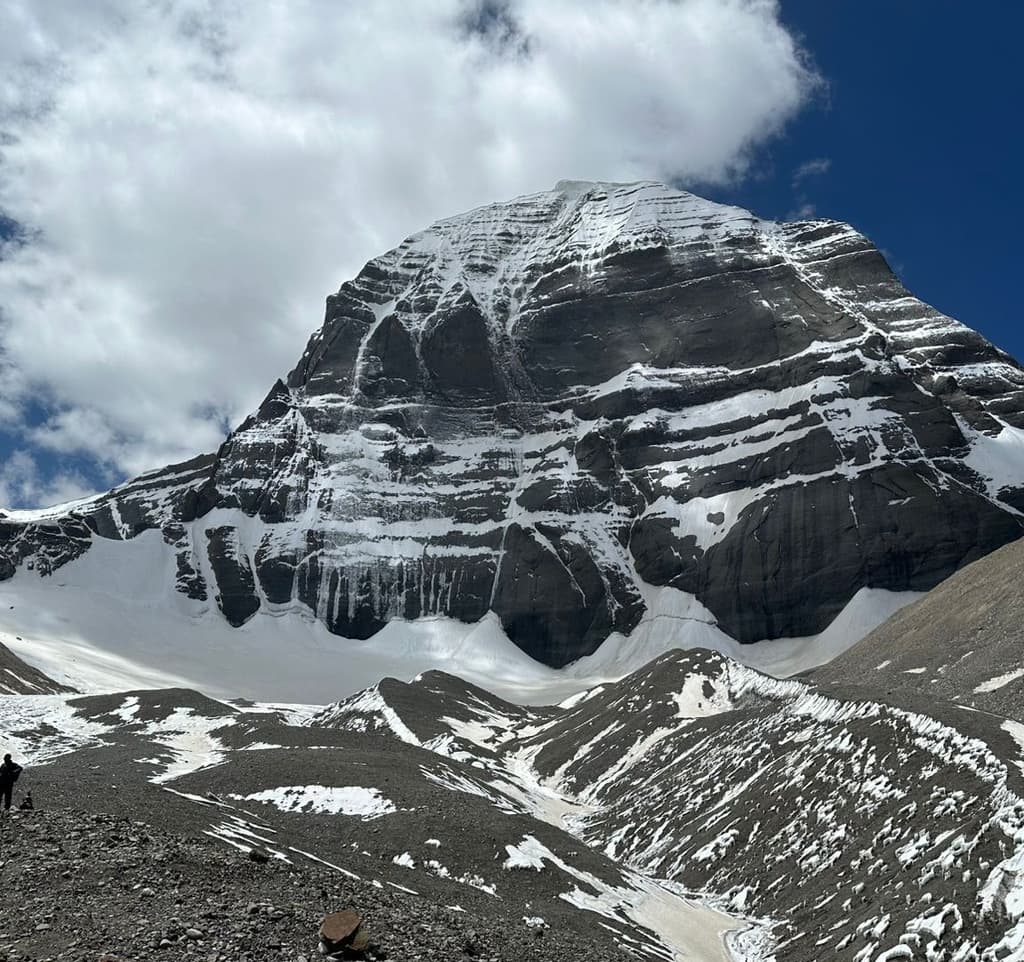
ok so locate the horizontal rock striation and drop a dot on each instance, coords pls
(545, 407)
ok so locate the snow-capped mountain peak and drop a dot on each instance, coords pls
(586, 425)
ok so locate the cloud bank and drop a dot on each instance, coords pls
(191, 178)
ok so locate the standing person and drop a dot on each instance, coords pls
(9, 773)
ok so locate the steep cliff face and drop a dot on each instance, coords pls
(545, 407)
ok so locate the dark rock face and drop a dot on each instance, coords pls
(547, 407)
(458, 356)
(552, 599)
(236, 594)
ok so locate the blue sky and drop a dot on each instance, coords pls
(194, 177)
(921, 129)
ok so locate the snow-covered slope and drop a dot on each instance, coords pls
(606, 411)
(19, 678)
(110, 621)
(862, 830)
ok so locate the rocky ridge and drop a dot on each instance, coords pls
(435, 873)
(859, 823)
(19, 678)
(961, 642)
(557, 408)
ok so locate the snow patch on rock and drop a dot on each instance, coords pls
(364, 803)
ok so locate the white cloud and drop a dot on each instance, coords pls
(811, 168)
(197, 175)
(804, 209)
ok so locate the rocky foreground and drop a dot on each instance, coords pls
(82, 885)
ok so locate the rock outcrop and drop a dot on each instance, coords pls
(545, 407)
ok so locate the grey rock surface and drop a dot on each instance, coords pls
(963, 641)
(156, 814)
(94, 885)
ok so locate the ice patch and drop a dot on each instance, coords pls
(998, 459)
(190, 740)
(677, 620)
(685, 929)
(994, 684)
(38, 728)
(574, 701)
(695, 702)
(528, 854)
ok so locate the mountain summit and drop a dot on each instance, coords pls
(582, 411)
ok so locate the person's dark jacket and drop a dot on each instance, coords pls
(9, 773)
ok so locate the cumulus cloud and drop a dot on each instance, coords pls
(192, 177)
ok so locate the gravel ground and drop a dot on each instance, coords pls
(90, 886)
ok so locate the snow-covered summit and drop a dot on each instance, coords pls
(500, 251)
